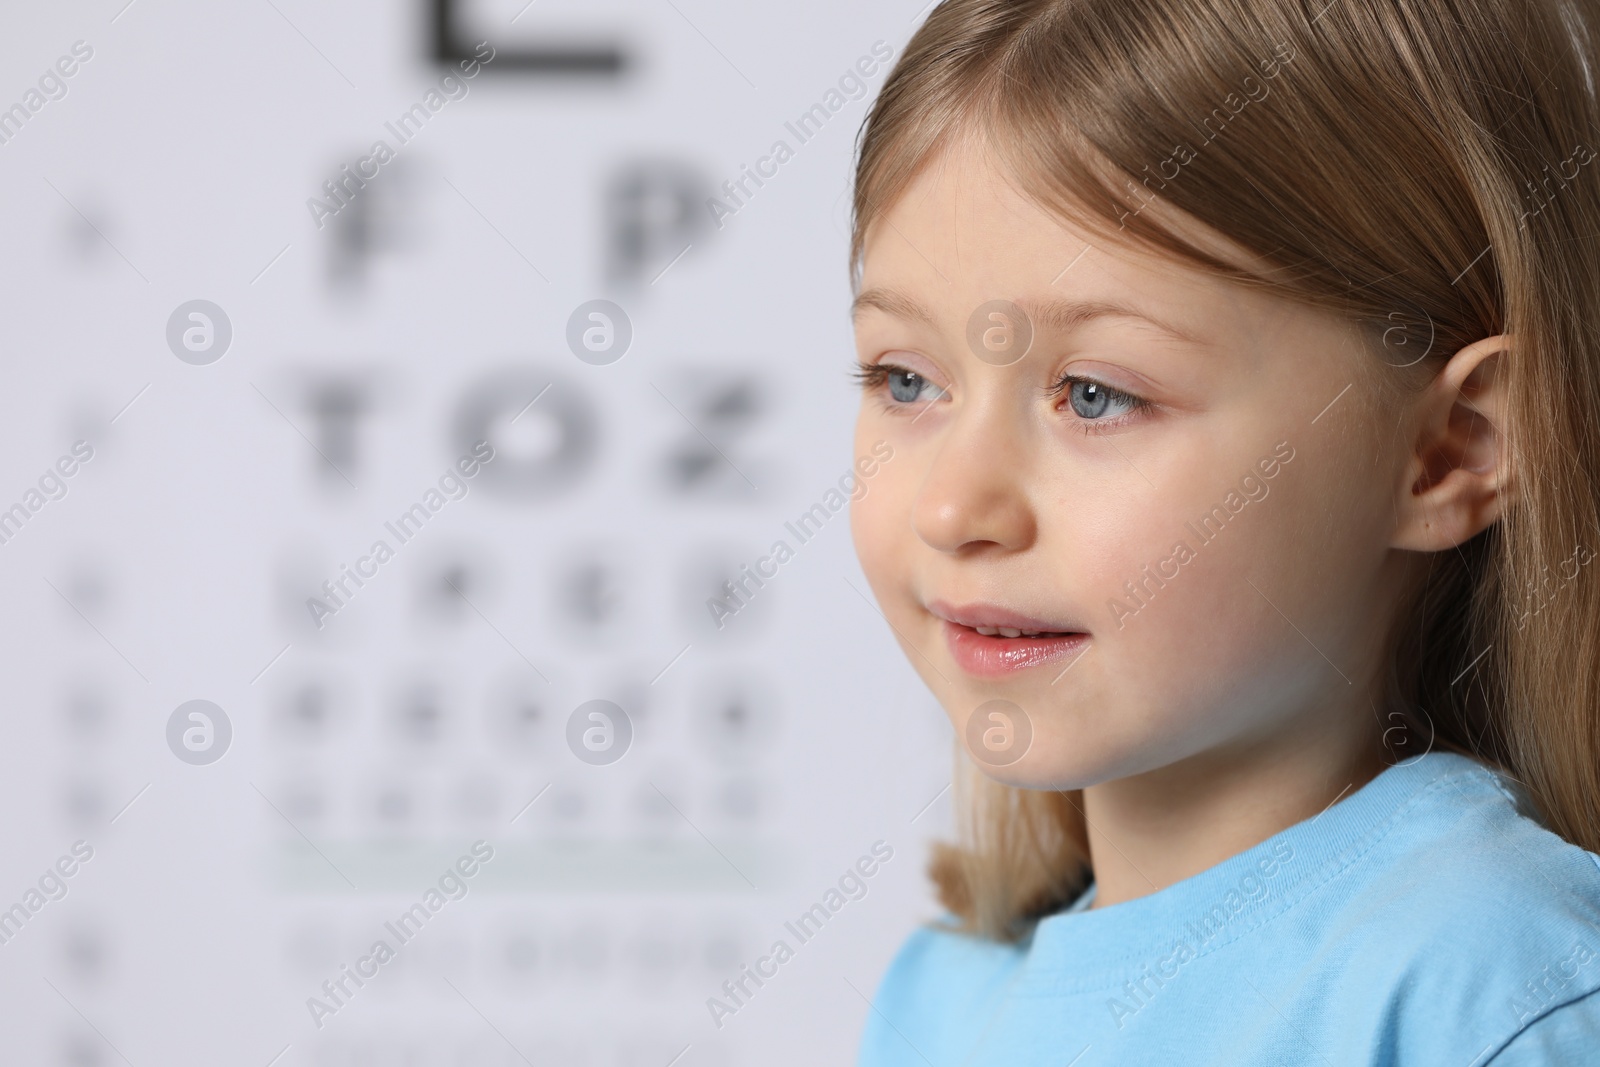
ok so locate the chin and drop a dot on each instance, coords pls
(1053, 763)
(1064, 758)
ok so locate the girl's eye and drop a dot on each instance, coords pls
(908, 386)
(904, 386)
(1093, 401)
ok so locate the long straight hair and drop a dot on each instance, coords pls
(1422, 167)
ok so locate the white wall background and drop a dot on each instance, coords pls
(369, 754)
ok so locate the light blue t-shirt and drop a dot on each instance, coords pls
(1423, 921)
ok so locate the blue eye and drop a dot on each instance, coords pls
(1091, 400)
(904, 386)
(908, 386)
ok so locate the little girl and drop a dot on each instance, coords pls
(1240, 361)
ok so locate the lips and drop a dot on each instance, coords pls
(990, 641)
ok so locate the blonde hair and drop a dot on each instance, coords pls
(1416, 165)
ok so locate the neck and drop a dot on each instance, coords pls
(1150, 830)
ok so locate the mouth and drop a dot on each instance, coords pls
(989, 641)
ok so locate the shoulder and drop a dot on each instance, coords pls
(933, 991)
(1469, 849)
(1469, 909)
(1568, 1036)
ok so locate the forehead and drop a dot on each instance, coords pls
(962, 233)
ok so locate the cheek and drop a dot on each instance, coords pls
(1266, 613)
(880, 523)
(1171, 603)
(1207, 644)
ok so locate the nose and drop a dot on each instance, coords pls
(974, 497)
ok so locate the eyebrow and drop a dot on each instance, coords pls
(1062, 316)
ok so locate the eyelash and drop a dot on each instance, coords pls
(1137, 404)
(870, 375)
(874, 376)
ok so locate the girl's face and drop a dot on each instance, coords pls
(1187, 488)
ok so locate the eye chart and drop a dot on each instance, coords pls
(404, 404)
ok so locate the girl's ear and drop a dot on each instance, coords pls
(1458, 475)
